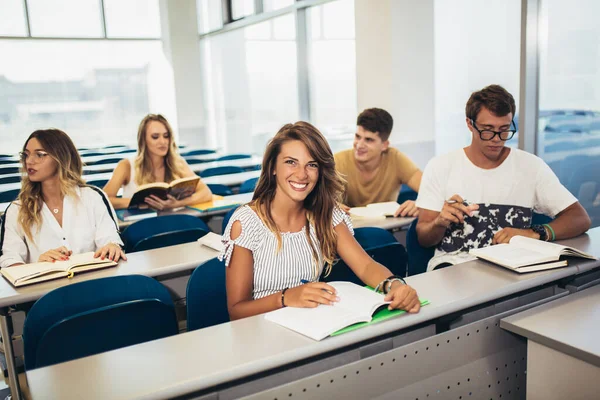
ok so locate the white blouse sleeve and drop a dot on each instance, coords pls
(339, 217)
(13, 249)
(107, 229)
(249, 237)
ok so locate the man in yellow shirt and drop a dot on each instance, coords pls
(374, 171)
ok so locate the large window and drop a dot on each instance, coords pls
(332, 71)
(569, 97)
(476, 44)
(95, 90)
(250, 83)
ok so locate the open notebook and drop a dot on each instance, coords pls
(21, 275)
(523, 254)
(357, 305)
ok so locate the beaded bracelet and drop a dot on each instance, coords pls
(283, 297)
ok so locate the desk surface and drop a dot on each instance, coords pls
(155, 262)
(241, 348)
(569, 325)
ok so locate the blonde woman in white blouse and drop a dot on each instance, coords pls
(56, 214)
(292, 227)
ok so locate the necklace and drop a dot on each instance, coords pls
(55, 210)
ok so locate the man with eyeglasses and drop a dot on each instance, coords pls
(487, 192)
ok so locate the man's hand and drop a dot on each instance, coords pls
(407, 209)
(454, 211)
(504, 235)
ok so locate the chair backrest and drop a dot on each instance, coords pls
(111, 160)
(248, 185)
(9, 170)
(149, 227)
(7, 161)
(418, 256)
(10, 179)
(196, 161)
(9, 195)
(381, 245)
(540, 219)
(97, 182)
(198, 152)
(406, 193)
(98, 315)
(584, 183)
(220, 190)
(169, 239)
(206, 296)
(227, 217)
(234, 157)
(225, 170)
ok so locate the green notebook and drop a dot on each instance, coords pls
(379, 316)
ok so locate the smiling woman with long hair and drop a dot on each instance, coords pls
(156, 160)
(56, 214)
(292, 228)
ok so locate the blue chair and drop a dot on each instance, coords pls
(540, 219)
(206, 296)
(111, 160)
(9, 195)
(7, 161)
(114, 146)
(199, 152)
(10, 179)
(162, 231)
(418, 256)
(227, 217)
(406, 193)
(220, 190)
(91, 154)
(248, 185)
(95, 316)
(9, 170)
(381, 245)
(97, 182)
(196, 161)
(226, 170)
(234, 157)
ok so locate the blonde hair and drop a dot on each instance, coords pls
(61, 149)
(142, 164)
(319, 203)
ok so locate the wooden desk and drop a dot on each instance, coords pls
(154, 263)
(563, 350)
(207, 360)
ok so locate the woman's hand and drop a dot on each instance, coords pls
(403, 297)
(159, 204)
(59, 254)
(112, 251)
(310, 295)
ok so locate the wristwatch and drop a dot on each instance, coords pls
(540, 230)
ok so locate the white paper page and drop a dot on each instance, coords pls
(386, 208)
(21, 271)
(364, 212)
(511, 255)
(537, 245)
(358, 299)
(212, 240)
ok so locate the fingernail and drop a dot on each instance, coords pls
(390, 308)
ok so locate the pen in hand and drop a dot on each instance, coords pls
(304, 282)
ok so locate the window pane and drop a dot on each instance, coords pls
(270, 5)
(250, 86)
(132, 18)
(242, 8)
(332, 73)
(12, 18)
(569, 97)
(96, 91)
(465, 61)
(210, 15)
(65, 18)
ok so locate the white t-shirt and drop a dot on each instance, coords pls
(88, 224)
(507, 196)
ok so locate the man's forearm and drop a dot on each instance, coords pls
(429, 234)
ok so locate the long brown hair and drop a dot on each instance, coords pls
(320, 202)
(143, 166)
(61, 149)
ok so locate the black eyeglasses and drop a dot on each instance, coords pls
(486, 134)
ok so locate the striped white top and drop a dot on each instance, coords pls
(275, 271)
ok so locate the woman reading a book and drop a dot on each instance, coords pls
(157, 160)
(56, 214)
(291, 228)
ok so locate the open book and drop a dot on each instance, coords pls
(357, 304)
(21, 275)
(375, 210)
(179, 188)
(135, 214)
(523, 254)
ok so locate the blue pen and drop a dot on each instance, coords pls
(304, 282)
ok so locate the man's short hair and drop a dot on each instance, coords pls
(493, 97)
(376, 120)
